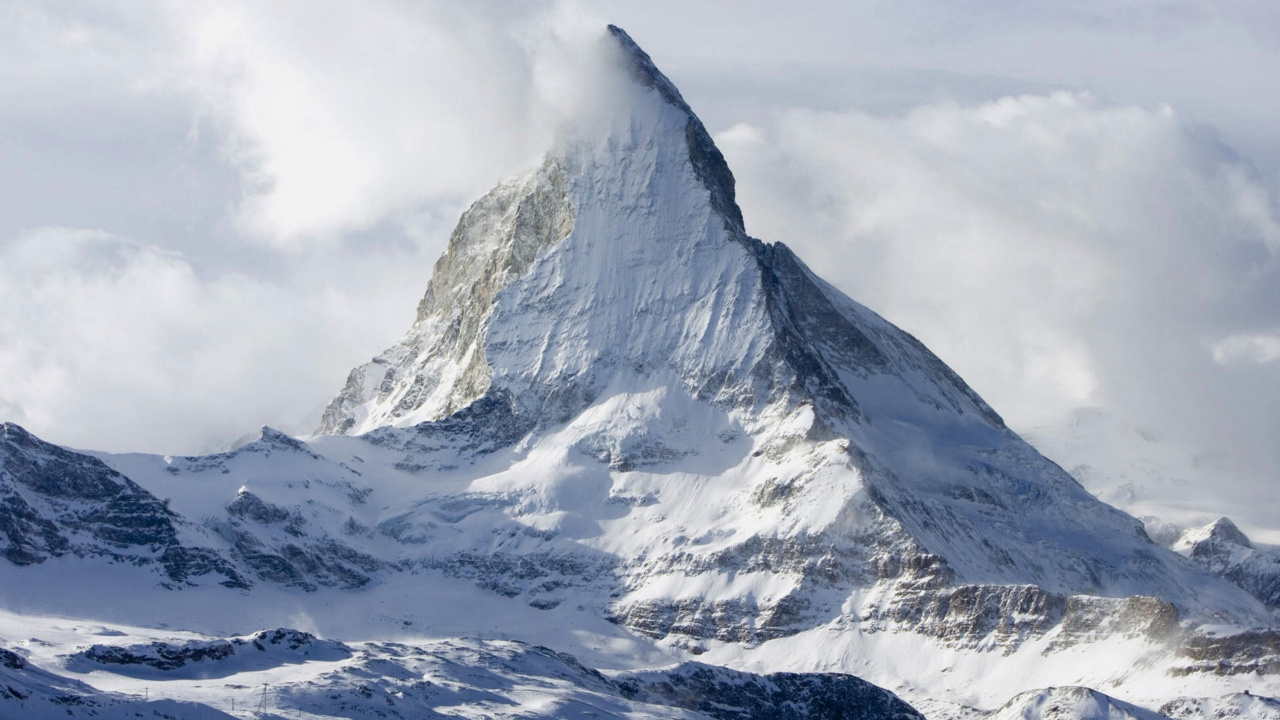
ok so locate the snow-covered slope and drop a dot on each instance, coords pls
(1070, 703)
(130, 672)
(623, 428)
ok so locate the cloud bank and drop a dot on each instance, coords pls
(106, 343)
(350, 112)
(1061, 253)
(217, 211)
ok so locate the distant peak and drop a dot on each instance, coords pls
(1224, 529)
(271, 434)
(269, 437)
(1206, 538)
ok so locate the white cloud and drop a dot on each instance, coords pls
(1258, 348)
(213, 146)
(342, 113)
(1060, 252)
(111, 344)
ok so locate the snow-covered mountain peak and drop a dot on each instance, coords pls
(616, 278)
(651, 190)
(622, 253)
(1221, 531)
(708, 162)
(621, 425)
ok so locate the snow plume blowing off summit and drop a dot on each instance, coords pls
(622, 427)
(624, 251)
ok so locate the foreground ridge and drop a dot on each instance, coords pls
(434, 679)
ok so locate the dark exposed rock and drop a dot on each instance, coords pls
(535, 574)
(53, 471)
(740, 620)
(287, 637)
(183, 563)
(141, 533)
(54, 502)
(82, 493)
(30, 538)
(485, 426)
(307, 565)
(160, 656)
(731, 695)
(251, 507)
(268, 566)
(1252, 652)
(279, 644)
(12, 660)
(1093, 618)
(968, 614)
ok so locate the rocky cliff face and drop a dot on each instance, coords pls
(55, 502)
(440, 367)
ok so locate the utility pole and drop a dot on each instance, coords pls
(262, 704)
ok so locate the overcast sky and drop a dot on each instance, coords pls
(208, 215)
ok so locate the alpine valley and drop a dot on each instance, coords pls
(628, 461)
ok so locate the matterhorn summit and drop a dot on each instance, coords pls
(612, 302)
(624, 434)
